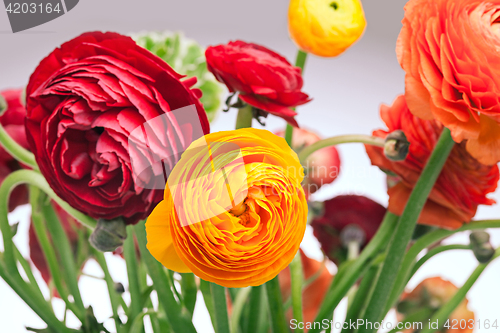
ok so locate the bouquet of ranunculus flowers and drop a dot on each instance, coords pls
(110, 144)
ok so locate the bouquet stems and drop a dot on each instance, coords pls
(404, 230)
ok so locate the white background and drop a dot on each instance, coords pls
(347, 92)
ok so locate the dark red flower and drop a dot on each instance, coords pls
(263, 78)
(322, 167)
(84, 100)
(462, 185)
(13, 122)
(341, 212)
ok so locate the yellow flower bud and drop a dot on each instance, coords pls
(325, 28)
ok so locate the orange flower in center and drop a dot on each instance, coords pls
(234, 211)
(462, 185)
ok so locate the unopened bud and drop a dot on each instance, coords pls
(119, 288)
(396, 146)
(352, 234)
(3, 105)
(481, 246)
(108, 235)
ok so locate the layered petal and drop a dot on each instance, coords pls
(449, 51)
(462, 186)
(234, 211)
(263, 78)
(84, 102)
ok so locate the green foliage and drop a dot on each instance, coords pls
(186, 57)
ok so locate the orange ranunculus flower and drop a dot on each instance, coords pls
(313, 295)
(234, 212)
(462, 185)
(433, 293)
(325, 28)
(449, 50)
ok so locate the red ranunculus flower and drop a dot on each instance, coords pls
(450, 53)
(462, 185)
(13, 122)
(263, 78)
(341, 212)
(84, 100)
(322, 167)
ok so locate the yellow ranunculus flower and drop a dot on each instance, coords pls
(325, 28)
(234, 211)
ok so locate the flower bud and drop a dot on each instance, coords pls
(481, 246)
(322, 167)
(396, 146)
(108, 235)
(325, 28)
(119, 288)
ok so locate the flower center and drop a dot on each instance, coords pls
(242, 211)
(334, 5)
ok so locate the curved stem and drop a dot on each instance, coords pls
(49, 252)
(336, 140)
(36, 179)
(244, 118)
(424, 242)
(16, 150)
(276, 311)
(297, 277)
(350, 272)
(435, 251)
(64, 250)
(445, 311)
(41, 308)
(404, 229)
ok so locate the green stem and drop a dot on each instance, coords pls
(189, 291)
(424, 242)
(252, 323)
(405, 227)
(445, 311)
(207, 298)
(244, 118)
(113, 296)
(129, 251)
(350, 272)
(29, 273)
(173, 310)
(65, 252)
(49, 253)
(276, 306)
(297, 277)
(336, 140)
(300, 60)
(220, 308)
(16, 150)
(436, 251)
(237, 310)
(289, 134)
(360, 298)
(39, 306)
